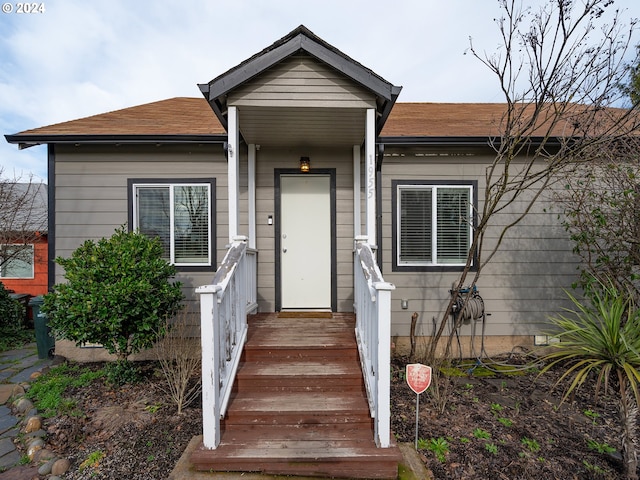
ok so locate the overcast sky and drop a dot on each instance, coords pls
(79, 57)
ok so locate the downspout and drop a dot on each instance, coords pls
(51, 216)
(379, 159)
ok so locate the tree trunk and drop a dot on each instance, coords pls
(629, 419)
(412, 335)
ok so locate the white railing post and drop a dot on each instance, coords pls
(383, 417)
(210, 332)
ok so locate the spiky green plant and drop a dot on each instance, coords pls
(603, 338)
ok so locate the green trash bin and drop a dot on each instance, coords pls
(44, 340)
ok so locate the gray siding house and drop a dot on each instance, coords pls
(303, 98)
(302, 153)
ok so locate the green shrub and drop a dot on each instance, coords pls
(11, 311)
(118, 294)
(13, 333)
(120, 373)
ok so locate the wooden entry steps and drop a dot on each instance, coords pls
(299, 405)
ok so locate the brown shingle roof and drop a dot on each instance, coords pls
(184, 116)
(193, 116)
(175, 116)
(444, 120)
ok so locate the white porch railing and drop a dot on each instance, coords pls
(224, 306)
(373, 333)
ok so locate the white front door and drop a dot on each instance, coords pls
(305, 242)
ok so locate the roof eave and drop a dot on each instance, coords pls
(444, 141)
(28, 140)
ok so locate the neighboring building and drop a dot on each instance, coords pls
(23, 239)
(199, 172)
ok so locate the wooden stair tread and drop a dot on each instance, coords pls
(289, 368)
(300, 451)
(247, 434)
(273, 340)
(329, 402)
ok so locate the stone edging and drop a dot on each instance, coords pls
(32, 436)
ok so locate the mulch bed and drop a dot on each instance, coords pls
(503, 427)
(508, 426)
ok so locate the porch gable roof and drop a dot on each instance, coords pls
(299, 40)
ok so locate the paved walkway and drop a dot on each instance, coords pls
(16, 366)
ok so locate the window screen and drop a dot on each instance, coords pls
(180, 216)
(434, 224)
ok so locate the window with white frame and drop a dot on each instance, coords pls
(433, 223)
(179, 214)
(16, 261)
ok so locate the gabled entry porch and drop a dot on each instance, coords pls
(302, 243)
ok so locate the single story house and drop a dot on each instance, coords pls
(305, 158)
(265, 115)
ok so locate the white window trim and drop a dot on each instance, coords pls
(434, 202)
(171, 186)
(33, 261)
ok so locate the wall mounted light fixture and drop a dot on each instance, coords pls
(305, 164)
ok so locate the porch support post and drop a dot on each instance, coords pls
(357, 221)
(252, 194)
(233, 167)
(370, 159)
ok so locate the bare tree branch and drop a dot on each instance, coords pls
(559, 69)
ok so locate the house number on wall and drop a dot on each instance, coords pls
(371, 177)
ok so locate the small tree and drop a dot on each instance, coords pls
(559, 69)
(179, 356)
(117, 294)
(601, 204)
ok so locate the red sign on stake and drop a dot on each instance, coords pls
(418, 377)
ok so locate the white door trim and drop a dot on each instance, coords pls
(279, 173)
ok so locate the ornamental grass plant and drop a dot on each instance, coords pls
(601, 337)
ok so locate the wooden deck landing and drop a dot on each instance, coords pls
(299, 405)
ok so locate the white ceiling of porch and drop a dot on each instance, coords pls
(297, 126)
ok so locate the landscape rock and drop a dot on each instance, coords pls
(44, 455)
(60, 467)
(33, 424)
(17, 391)
(38, 433)
(23, 405)
(34, 446)
(45, 469)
